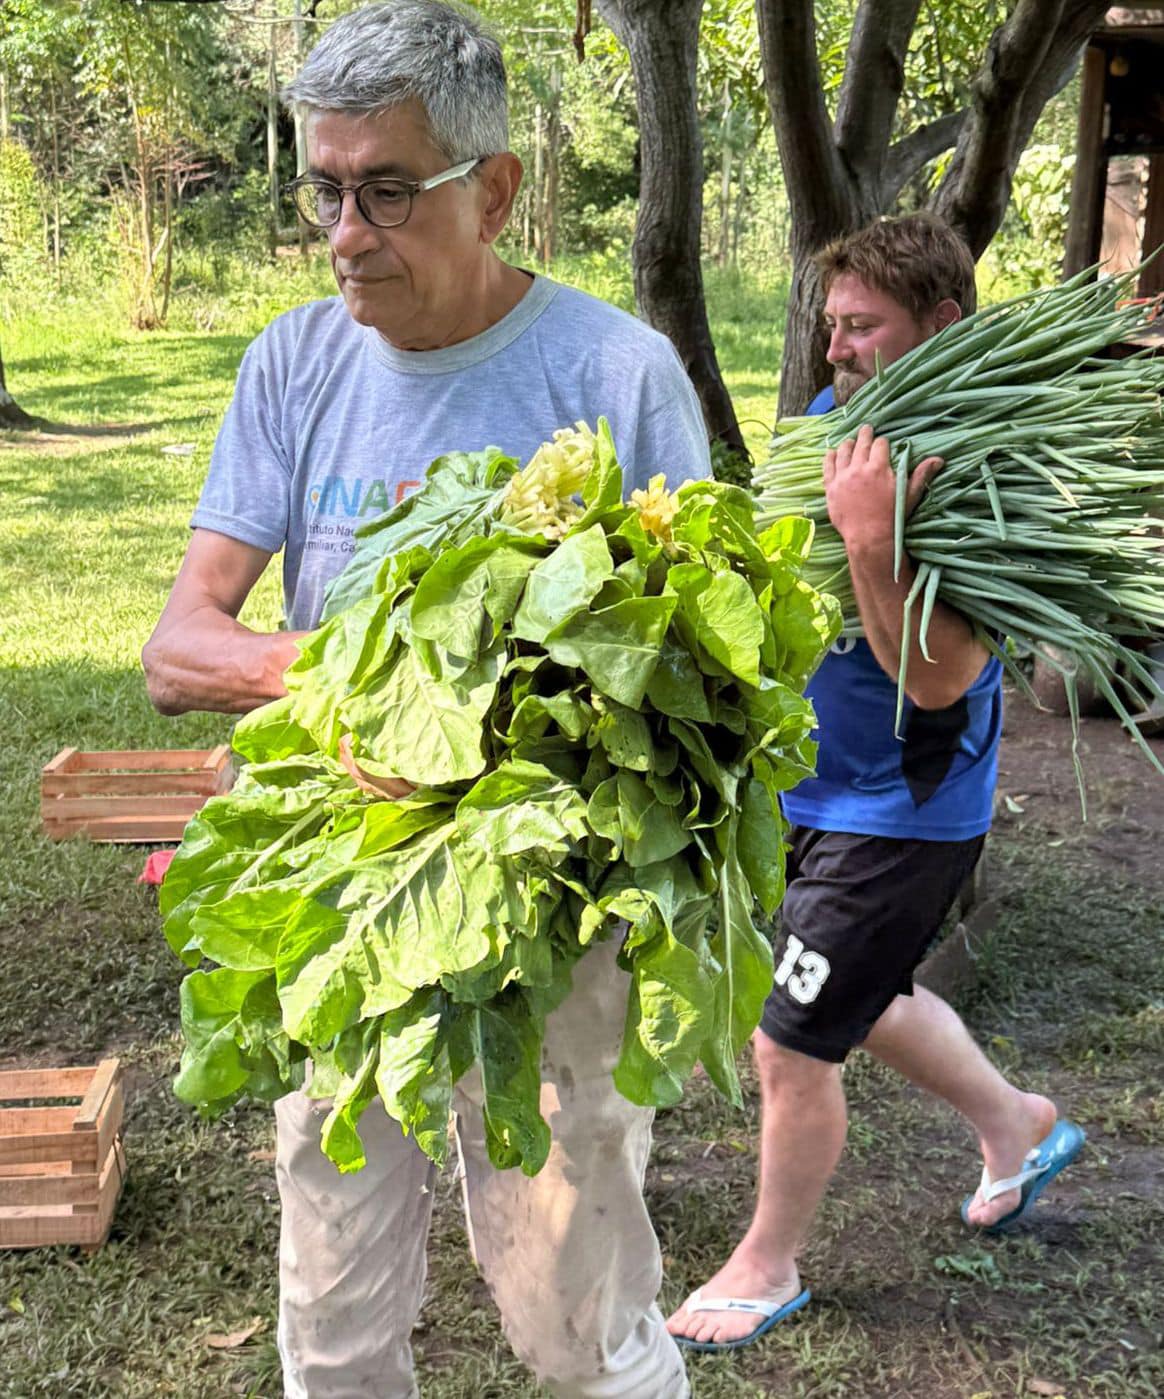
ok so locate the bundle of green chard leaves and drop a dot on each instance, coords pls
(1044, 524)
(599, 703)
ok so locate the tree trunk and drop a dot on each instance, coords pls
(725, 175)
(272, 148)
(539, 192)
(741, 201)
(300, 120)
(56, 238)
(1028, 60)
(662, 37)
(553, 167)
(824, 199)
(840, 175)
(11, 413)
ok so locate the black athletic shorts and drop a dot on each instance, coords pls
(858, 916)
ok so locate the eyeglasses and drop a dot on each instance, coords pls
(382, 202)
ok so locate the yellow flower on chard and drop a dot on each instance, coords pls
(540, 497)
(657, 508)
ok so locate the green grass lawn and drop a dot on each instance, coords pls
(92, 528)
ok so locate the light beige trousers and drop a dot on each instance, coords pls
(569, 1255)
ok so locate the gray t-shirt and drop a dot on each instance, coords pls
(331, 426)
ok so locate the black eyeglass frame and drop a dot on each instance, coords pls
(410, 187)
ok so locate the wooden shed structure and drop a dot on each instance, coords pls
(1117, 197)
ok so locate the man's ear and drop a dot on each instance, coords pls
(946, 313)
(501, 179)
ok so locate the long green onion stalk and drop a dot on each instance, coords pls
(1045, 523)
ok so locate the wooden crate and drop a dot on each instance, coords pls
(61, 1167)
(138, 797)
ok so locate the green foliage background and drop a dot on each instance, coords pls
(84, 86)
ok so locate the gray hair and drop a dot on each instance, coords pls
(429, 51)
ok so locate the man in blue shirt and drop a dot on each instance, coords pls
(884, 836)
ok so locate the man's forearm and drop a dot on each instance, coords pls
(957, 655)
(207, 660)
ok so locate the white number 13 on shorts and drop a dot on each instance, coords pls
(812, 975)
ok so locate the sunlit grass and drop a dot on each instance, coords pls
(92, 529)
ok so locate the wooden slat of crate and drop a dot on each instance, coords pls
(46, 1183)
(101, 1085)
(130, 784)
(31, 1140)
(61, 1167)
(76, 809)
(18, 1085)
(123, 830)
(134, 760)
(47, 1223)
(130, 797)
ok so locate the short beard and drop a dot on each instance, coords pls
(846, 382)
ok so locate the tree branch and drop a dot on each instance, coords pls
(1080, 20)
(820, 191)
(907, 156)
(874, 78)
(1025, 59)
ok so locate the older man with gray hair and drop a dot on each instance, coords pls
(435, 343)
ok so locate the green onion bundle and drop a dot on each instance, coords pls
(1044, 524)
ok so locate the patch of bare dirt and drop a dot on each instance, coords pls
(1124, 792)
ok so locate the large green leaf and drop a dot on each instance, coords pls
(234, 842)
(507, 1040)
(222, 1022)
(618, 647)
(677, 686)
(803, 624)
(340, 1137)
(651, 830)
(459, 491)
(334, 660)
(626, 736)
(743, 976)
(761, 845)
(383, 929)
(425, 730)
(414, 1075)
(270, 732)
(523, 806)
(668, 1008)
(602, 489)
(485, 575)
(563, 583)
(718, 613)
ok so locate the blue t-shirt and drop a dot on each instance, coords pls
(934, 782)
(331, 426)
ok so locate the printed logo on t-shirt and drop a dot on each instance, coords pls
(342, 504)
(357, 499)
(843, 645)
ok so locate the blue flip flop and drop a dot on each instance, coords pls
(1043, 1163)
(771, 1312)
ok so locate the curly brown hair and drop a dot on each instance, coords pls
(918, 260)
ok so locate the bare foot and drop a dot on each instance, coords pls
(742, 1278)
(1004, 1154)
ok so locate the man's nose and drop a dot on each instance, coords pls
(353, 234)
(839, 348)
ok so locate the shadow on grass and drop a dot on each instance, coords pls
(74, 486)
(45, 427)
